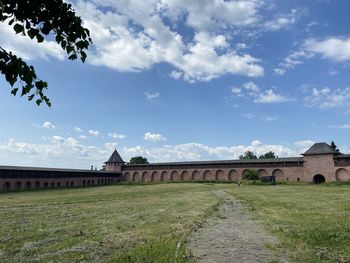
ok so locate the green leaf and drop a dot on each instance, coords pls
(63, 44)
(31, 33)
(18, 28)
(11, 21)
(83, 56)
(14, 91)
(72, 57)
(59, 38)
(40, 38)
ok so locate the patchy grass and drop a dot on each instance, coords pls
(121, 223)
(149, 223)
(312, 221)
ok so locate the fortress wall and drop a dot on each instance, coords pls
(7, 184)
(25, 178)
(178, 173)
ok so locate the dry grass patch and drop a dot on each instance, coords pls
(122, 223)
(313, 221)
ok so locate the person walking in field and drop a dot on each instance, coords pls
(238, 183)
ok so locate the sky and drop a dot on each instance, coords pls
(176, 80)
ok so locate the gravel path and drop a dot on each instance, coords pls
(234, 237)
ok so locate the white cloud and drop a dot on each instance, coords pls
(341, 126)
(95, 133)
(203, 61)
(154, 137)
(176, 74)
(132, 36)
(46, 125)
(212, 14)
(250, 90)
(333, 72)
(270, 118)
(281, 21)
(198, 151)
(115, 135)
(57, 139)
(52, 153)
(83, 137)
(26, 48)
(333, 48)
(325, 98)
(152, 96)
(77, 129)
(304, 145)
(292, 60)
(269, 96)
(249, 115)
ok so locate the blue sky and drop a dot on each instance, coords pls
(185, 80)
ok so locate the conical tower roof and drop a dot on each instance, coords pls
(115, 158)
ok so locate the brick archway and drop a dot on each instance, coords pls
(174, 176)
(155, 177)
(319, 179)
(233, 175)
(18, 186)
(262, 172)
(127, 177)
(207, 175)
(6, 186)
(185, 176)
(220, 175)
(28, 185)
(136, 177)
(342, 175)
(164, 176)
(278, 174)
(196, 175)
(145, 177)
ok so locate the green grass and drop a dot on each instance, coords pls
(312, 221)
(149, 223)
(140, 223)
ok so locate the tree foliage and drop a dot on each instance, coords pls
(334, 146)
(248, 155)
(268, 155)
(252, 175)
(38, 20)
(138, 160)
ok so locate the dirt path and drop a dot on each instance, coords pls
(234, 237)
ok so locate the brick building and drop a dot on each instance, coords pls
(321, 163)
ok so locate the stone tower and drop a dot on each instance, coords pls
(319, 163)
(114, 163)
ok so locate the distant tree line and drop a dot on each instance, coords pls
(249, 155)
(138, 160)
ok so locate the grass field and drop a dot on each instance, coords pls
(149, 223)
(312, 221)
(145, 223)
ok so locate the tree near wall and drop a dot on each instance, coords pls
(252, 175)
(138, 160)
(248, 155)
(268, 155)
(38, 20)
(334, 146)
